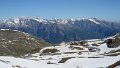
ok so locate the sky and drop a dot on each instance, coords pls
(101, 9)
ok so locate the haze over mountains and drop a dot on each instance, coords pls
(59, 30)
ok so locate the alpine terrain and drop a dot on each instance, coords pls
(16, 43)
(94, 53)
(59, 30)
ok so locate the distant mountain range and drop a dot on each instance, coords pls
(59, 30)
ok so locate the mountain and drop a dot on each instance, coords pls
(94, 53)
(59, 30)
(16, 43)
(76, 54)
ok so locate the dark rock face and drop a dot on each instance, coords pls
(112, 43)
(59, 30)
(109, 43)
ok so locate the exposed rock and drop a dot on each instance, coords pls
(112, 43)
(65, 59)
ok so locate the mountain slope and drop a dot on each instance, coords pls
(94, 53)
(18, 43)
(59, 30)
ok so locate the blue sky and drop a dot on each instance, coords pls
(102, 9)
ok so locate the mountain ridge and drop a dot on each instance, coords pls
(59, 30)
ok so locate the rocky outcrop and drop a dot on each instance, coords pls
(114, 42)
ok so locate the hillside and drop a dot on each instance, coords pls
(94, 53)
(18, 43)
(59, 30)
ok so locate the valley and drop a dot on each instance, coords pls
(94, 53)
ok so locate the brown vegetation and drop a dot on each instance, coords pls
(114, 65)
(50, 50)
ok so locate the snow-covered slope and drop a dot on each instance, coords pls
(11, 62)
(72, 60)
(64, 29)
(94, 53)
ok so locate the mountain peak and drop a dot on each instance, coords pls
(64, 29)
(94, 20)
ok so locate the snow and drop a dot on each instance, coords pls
(85, 59)
(39, 20)
(3, 65)
(117, 66)
(16, 21)
(104, 48)
(92, 62)
(94, 21)
(4, 29)
(78, 61)
(71, 63)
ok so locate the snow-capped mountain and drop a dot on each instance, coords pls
(59, 30)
